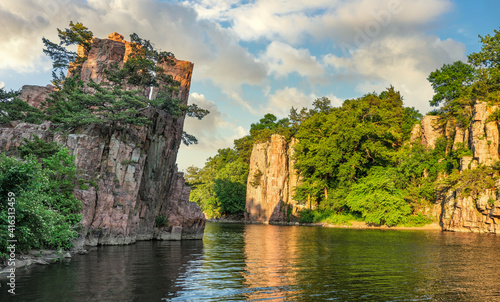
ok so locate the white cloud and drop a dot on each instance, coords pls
(283, 59)
(404, 62)
(213, 132)
(282, 100)
(214, 50)
(336, 20)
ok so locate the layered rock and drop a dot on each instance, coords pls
(138, 192)
(271, 182)
(455, 210)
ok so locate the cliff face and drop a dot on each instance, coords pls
(135, 172)
(457, 211)
(271, 181)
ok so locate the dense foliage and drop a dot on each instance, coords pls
(46, 212)
(14, 109)
(220, 187)
(356, 161)
(457, 86)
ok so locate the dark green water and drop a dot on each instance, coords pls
(277, 263)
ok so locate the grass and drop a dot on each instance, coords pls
(327, 216)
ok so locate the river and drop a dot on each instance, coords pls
(237, 262)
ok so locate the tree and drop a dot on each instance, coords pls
(109, 108)
(62, 58)
(12, 108)
(119, 101)
(47, 213)
(339, 147)
(378, 199)
(220, 186)
(451, 82)
(457, 86)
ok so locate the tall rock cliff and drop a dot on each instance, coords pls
(136, 177)
(271, 181)
(455, 210)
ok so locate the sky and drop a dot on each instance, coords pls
(254, 57)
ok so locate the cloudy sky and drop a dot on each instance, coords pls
(257, 56)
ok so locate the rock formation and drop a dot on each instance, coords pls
(271, 181)
(463, 212)
(139, 193)
(35, 95)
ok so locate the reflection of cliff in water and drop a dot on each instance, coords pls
(147, 269)
(271, 261)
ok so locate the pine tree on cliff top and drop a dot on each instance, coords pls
(111, 104)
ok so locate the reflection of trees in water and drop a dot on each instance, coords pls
(240, 262)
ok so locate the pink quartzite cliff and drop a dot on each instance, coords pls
(135, 171)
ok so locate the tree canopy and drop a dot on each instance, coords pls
(457, 86)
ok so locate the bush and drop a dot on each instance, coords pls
(328, 216)
(416, 220)
(377, 198)
(306, 216)
(38, 147)
(46, 212)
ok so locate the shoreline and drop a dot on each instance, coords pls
(46, 257)
(354, 225)
(40, 257)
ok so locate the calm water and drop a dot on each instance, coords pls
(277, 263)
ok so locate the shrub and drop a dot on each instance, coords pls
(377, 198)
(161, 221)
(47, 214)
(306, 216)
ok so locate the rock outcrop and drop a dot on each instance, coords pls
(138, 194)
(455, 210)
(36, 95)
(271, 181)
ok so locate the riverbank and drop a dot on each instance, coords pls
(41, 257)
(353, 224)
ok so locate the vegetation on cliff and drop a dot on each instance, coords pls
(357, 162)
(111, 104)
(42, 175)
(459, 85)
(46, 214)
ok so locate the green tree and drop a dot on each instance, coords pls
(47, 214)
(378, 199)
(112, 104)
(12, 108)
(64, 59)
(220, 186)
(338, 147)
(457, 86)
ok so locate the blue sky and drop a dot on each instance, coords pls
(255, 57)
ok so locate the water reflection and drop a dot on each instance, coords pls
(265, 262)
(271, 261)
(145, 271)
